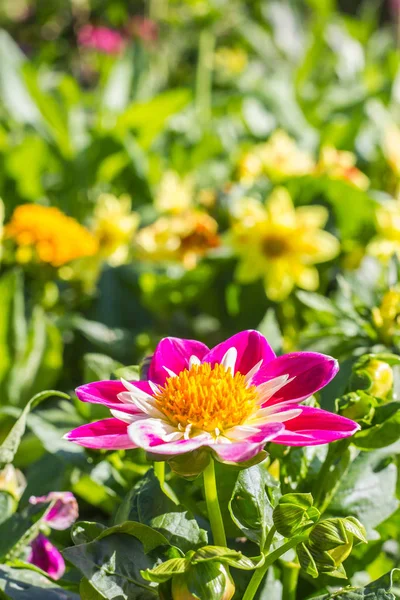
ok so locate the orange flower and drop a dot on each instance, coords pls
(46, 234)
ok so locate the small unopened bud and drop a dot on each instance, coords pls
(201, 580)
(294, 512)
(12, 481)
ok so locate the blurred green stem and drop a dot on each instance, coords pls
(204, 76)
(290, 573)
(159, 470)
(213, 509)
(260, 573)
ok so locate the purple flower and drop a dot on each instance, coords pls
(46, 556)
(232, 399)
(63, 513)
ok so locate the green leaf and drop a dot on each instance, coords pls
(166, 570)
(382, 434)
(10, 445)
(88, 592)
(149, 118)
(317, 302)
(146, 503)
(113, 561)
(131, 373)
(270, 329)
(86, 531)
(250, 506)
(19, 529)
(294, 512)
(99, 367)
(26, 583)
(368, 490)
(226, 556)
(381, 589)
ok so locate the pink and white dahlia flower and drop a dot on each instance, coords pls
(232, 399)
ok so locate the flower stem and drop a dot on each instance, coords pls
(260, 573)
(214, 511)
(159, 470)
(290, 579)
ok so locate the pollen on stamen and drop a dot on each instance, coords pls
(208, 398)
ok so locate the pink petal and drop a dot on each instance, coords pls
(311, 372)
(173, 353)
(63, 513)
(237, 451)
(251, 347)
(315, 426)
(106, 392)
(107, 434)
(149, 435)
(46, 556)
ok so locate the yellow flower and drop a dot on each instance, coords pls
(278, 158)
(281, 244)
(339, 164)
(387, 242)
(114, 227)
(175, 194)
(48, 235)
(179, 238)
(386, 317)
(391, 148)
(230, 61)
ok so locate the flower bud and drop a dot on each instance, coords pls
(381, 376)
(203, 580)
(294, 512)
(329, 544)
(12, 481)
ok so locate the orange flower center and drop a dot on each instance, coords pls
(207, 398)
(275, 246)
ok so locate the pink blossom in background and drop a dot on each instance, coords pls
(46, 556)
(144, 29)
(394, 7)
(232, 399)
(103, 39)
(63, 513)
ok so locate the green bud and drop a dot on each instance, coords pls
(358, 406)
(329, 544)
(204, 580)
(294, 512)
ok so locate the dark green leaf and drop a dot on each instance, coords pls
(250, 506)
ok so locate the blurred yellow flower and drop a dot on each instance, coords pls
(391, 148)
(339, 164)
(280, 244)
(114, 227)
(386, 317)
(174, 194)
(278, 158)
(387, 242)
(46, 234)
(183, 238)
(230, 61)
